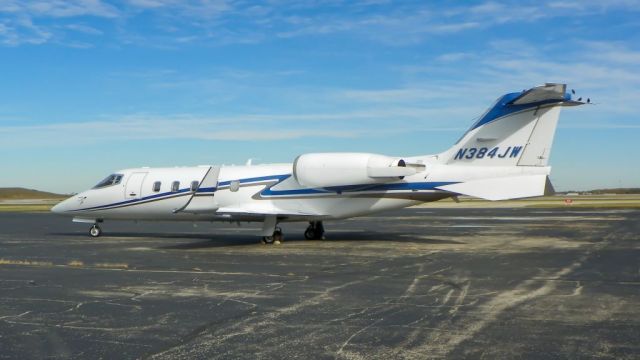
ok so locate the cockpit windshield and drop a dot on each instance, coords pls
(112, 179)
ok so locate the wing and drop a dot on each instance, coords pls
(260, 211)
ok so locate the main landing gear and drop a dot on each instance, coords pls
(95, 230)
(276, 238)
(315, 231)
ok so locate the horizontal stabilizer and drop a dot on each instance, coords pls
(542, 93)
(503, 188)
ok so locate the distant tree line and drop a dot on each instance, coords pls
(606, 191)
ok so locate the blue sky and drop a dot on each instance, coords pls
(91, 86)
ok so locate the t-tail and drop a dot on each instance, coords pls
(505, 153)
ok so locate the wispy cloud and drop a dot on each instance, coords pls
(58, 8)
(612, 52)
(220, 22)
(237, 128)
(194, 9)
(22, 31)
(604, 72)
(423, 103)
(85, 29)
(454, 57)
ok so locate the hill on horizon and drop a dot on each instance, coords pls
(14, 193)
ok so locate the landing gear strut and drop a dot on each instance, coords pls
(95, 231)
(315, 231)
(276, 238)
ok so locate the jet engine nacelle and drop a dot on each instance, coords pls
(322, 170)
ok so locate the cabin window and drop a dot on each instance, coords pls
(113, 179)
(194, 185)
(156, 186)
(175, 186)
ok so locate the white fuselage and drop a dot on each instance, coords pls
(251, 192)
(243, 190)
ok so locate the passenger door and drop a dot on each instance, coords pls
(134, 186)
(202, 200)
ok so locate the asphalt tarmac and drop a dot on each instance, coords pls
(415, 284)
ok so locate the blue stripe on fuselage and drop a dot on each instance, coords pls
(352, 189)
(150, 197)
(255, 179)
(269, 192)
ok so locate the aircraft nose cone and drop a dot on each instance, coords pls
(62, 207)
(58, 208)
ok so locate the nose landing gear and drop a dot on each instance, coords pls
(95, 231)
(276, 238)
(315, 231)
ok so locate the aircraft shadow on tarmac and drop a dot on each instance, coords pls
(242, 240)
(226, 240)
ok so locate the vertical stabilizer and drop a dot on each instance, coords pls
(517, 130)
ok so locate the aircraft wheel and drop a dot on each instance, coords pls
(276, 238)
(95, 231)
(315, 231)
(310, 233)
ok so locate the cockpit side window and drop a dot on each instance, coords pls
(113, 179)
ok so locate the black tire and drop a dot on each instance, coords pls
(268, 239)
(95, 231)
(310, 234)
(315, 231)
(277, 236)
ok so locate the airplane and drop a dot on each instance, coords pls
(504, 155)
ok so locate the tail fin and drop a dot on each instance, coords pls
(517, 130)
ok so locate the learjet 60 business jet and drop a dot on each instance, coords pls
(504, 155)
